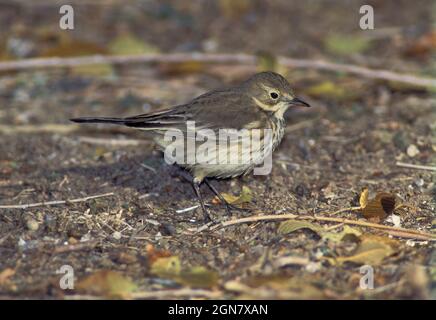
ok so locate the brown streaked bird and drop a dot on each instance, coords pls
(259, 103)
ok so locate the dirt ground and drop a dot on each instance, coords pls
(352, 138)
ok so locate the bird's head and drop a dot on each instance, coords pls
(271, 92)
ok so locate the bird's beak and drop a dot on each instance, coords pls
(297, 102)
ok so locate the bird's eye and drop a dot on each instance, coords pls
(274, 95)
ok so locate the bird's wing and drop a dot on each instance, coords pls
(228, 109)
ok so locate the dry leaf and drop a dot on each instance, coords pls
(346, 44)
(280, 287)
(292, 225)
(5, 275)
(245, 197)
(166, 267)
(106, 283)
(348, 233)
(198, 277)
(363, 200)
(182, 68)
(126, 43)
(372, 250)
(153, 254)
(381, 206)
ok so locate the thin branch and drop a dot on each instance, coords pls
(53, 128)
(75, 247)
(112, 142)
(241, 59)
(50, 203)
(177, 293)
(407, 233)
(415, 166)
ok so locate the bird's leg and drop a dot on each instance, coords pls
(228, 205)
(220, 197)
(196, 185)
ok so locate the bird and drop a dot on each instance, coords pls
(257, 105)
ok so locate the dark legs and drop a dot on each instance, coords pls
(196, 186)
(216, 192)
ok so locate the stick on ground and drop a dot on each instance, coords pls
(240, 59)
(403, 232)
(50, 203)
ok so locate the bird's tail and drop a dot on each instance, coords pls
(99, 120)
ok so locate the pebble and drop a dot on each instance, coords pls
(116, 235)
(412, 150)
(419, 182)
(32, 224)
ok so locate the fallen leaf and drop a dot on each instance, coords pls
(5, 275)
(347, 233)
(153, 254)
(245, 196)
(280, 287)
(380, 207)
(234, 9)
(181, 68)
(106, 283)
(129, 44)
(346, 44)
(372, 250)
(293, 225)
(363, 200)
(198, 277)
(166, 267)
(423, 46)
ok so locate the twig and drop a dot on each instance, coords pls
(404, 232)
(112, 142)
(243, 59)
(346, 209)
(415, 166)
(75, 247)
(165, 294)
(50, 203)
(54, 128)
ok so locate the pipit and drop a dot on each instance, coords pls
(244, 123)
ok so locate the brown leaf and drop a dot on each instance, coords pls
(372, 250)
(292, 225)
(198, 277)
(245, 197)
(106, 283)
(166, 267)
(153, 254)
(5, 275)
(363, 200)
(381, 206)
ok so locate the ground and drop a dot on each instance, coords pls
(352, 138)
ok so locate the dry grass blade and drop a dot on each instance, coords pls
(50, 203)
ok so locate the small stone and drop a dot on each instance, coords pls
(21, 243)
(419, 182)
(72, 240)
(116, 235)
(32, 224)
(313, 267)
(412, 150)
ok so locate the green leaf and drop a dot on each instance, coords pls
(345, 45)
(292, 225)
(129, 44)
